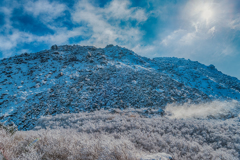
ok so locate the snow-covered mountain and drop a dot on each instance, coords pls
(71, 79)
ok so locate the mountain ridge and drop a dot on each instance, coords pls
(71, 79)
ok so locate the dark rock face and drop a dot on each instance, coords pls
(71, 79)
(211, 67)
(54, 47)
(55, 52)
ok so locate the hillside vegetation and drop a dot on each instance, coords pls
(127, 134)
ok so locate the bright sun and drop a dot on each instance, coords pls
(203, 11)
(207, 13)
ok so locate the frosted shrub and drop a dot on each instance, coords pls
(65, 144)
(126, 134)
(181, 138)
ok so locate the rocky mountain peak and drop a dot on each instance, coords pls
(74, 78)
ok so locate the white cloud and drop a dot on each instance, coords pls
(119, 9)
(228, 50)
(179, 37)
(172, 37)
(235, 24)
(9, 41)
(45, 11)
(61, 36)
(17, 37)
(199, 32)
(102, 25)
(5, 10)
(212, 30)
(104, 31)
(188, 39)
(49, 10)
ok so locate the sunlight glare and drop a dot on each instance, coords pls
(207, 13)
(201, 12)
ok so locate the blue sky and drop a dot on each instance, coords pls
(207, 31)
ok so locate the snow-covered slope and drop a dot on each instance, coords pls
(204, 78)
(70, 79)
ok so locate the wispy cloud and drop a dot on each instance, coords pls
(49, 10)
(105, 22)
(202, 28)
(101, 25)
(235, 23)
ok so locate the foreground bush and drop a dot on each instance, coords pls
(123, 135)
(65, 144)
(182, 138)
